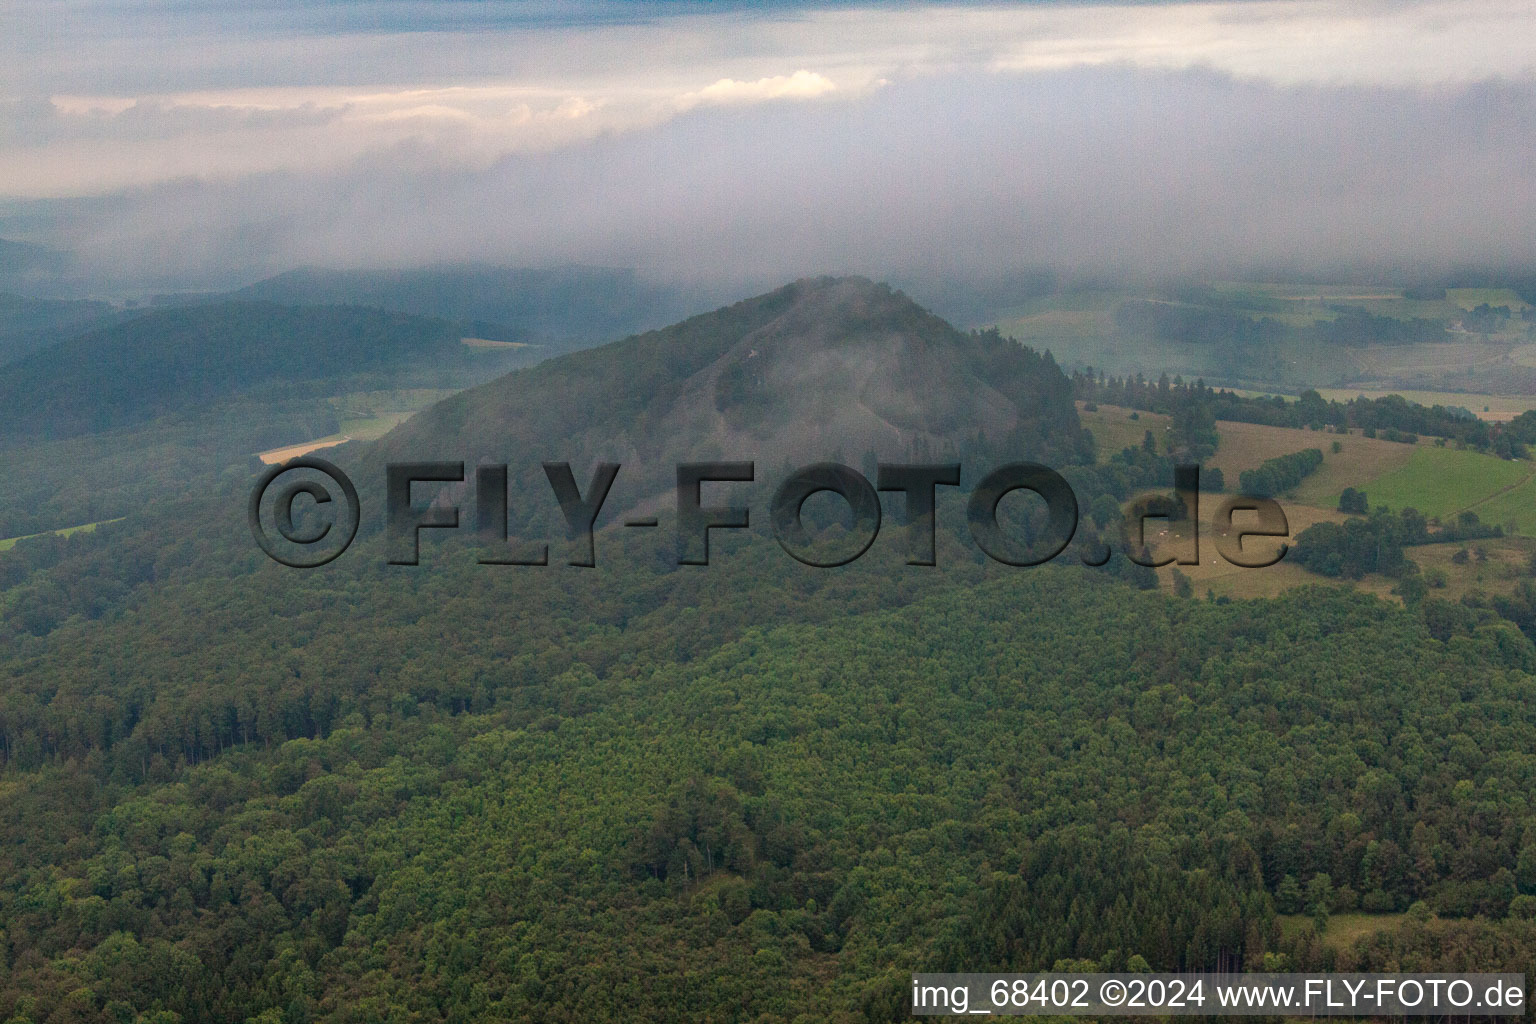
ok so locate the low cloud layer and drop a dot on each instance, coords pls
(954, 141)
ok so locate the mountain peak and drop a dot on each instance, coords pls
(821, 368)
(825, 301)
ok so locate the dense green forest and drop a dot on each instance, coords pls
(753, 791)
(786, 817)
(28, 324)
(1375, 542)
(114, 473)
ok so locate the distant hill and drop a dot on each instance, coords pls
(826, 368)
(562, 307)
(19, 257)
(27, 325)
(172, 360)
(24, 265)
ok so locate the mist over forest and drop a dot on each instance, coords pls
(412, 607)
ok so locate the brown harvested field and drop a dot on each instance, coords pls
(293, 451)
(1247, 445)
(1227, 580)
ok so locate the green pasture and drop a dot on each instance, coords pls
(1444, 481)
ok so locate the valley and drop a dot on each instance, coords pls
(1338, 338)
(363, 416)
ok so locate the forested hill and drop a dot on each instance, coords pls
(557, 307)
(27, 325)
(176, 359)
(838, 368)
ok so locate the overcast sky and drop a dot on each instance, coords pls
(190, 142)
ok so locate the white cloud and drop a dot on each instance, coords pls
(1186, 171)
(1105, 135)
(1292, 41)
(525, 87)
(801, 85)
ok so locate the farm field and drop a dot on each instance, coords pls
(1073, 304)
(367, 415)
(1442, 481)
(1114, 430)
(1506, 563)
(1247, 445)
(1222, 578)
(1081, 329)
(363, 416)
(1468, 357)
(1437, 481)
(1514, 508)
(272, 456)
(1300, 304)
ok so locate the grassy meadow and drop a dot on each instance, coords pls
(1439, 482)
(1344, 930)
(7, 543)
(1114, 429)
(1442, 481)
